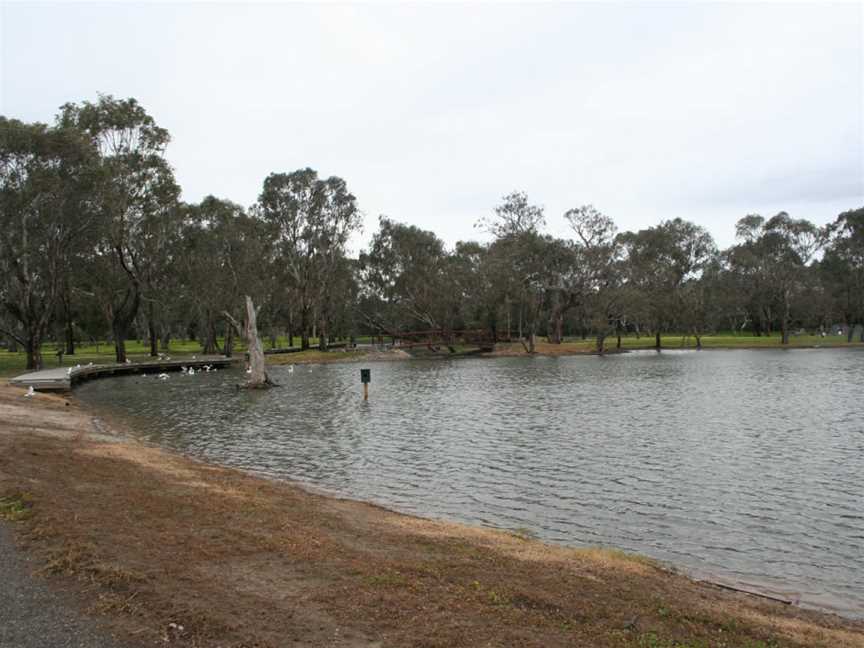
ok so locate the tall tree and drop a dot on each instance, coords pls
(310, 219)
(660, 260)
(406, 269)
(842, 268)
(137, 183)
(527, 255)
(45, 178)
(774, 253)
(597, 276)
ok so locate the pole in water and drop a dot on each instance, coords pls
(365, 378)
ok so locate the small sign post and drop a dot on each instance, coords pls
(365, 378)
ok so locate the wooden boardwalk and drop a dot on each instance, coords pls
(65, 378)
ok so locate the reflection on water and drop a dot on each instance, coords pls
(748, 466)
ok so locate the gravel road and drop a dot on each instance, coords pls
(33, 615)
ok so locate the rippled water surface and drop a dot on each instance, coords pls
(746, 466)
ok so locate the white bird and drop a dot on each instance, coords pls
(183, 369)
(128, 361)
(249, 370)
(69, 371)
(163, 376)
(290, 368)
(191, 371)
(193, 357)
(30, 392)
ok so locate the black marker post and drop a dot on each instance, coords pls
(365, 378)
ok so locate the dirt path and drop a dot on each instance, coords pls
(180, 552)
(35, 615)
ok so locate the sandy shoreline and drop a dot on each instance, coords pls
(149, 538)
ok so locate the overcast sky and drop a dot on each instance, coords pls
(432, 112)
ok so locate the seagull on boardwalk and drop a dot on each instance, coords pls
(30, 392)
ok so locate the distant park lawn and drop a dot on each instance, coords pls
(14, 363)
(723, 340)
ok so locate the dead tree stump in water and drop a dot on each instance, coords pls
(257, 371)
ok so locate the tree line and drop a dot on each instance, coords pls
(95, 243)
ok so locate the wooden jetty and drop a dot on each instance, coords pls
(65, 378)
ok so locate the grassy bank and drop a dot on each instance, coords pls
(673, 342)
(165, 549)
(14, 363)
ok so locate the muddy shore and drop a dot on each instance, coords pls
(159, 548)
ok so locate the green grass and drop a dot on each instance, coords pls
(679, 341)
(16, 507)
(14, 363)
(314, 355)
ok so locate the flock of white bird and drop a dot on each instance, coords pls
(190, 371)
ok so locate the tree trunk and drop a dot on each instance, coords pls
(519, 324)
(229, 341)
(34, 353)
(556, 319)
(322, 337)
(165, 342)
(304, 328)
(657, 344)
(698, 342)
(601, 339)
(210, 347)
(509, 320)
(784, 325)
(119, 331)
(257, 374)
(154, 336)
(70, 338)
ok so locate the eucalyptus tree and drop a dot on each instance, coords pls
(474, 287)
(597, 277)
(46, 175)
(750, 274)
(659, 261)
(406, 267)
(310, 220)
(530, 259)
(842, 268)
(222, 258)
(137, 187)
(780, 249)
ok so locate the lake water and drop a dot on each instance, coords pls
(745, 466)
